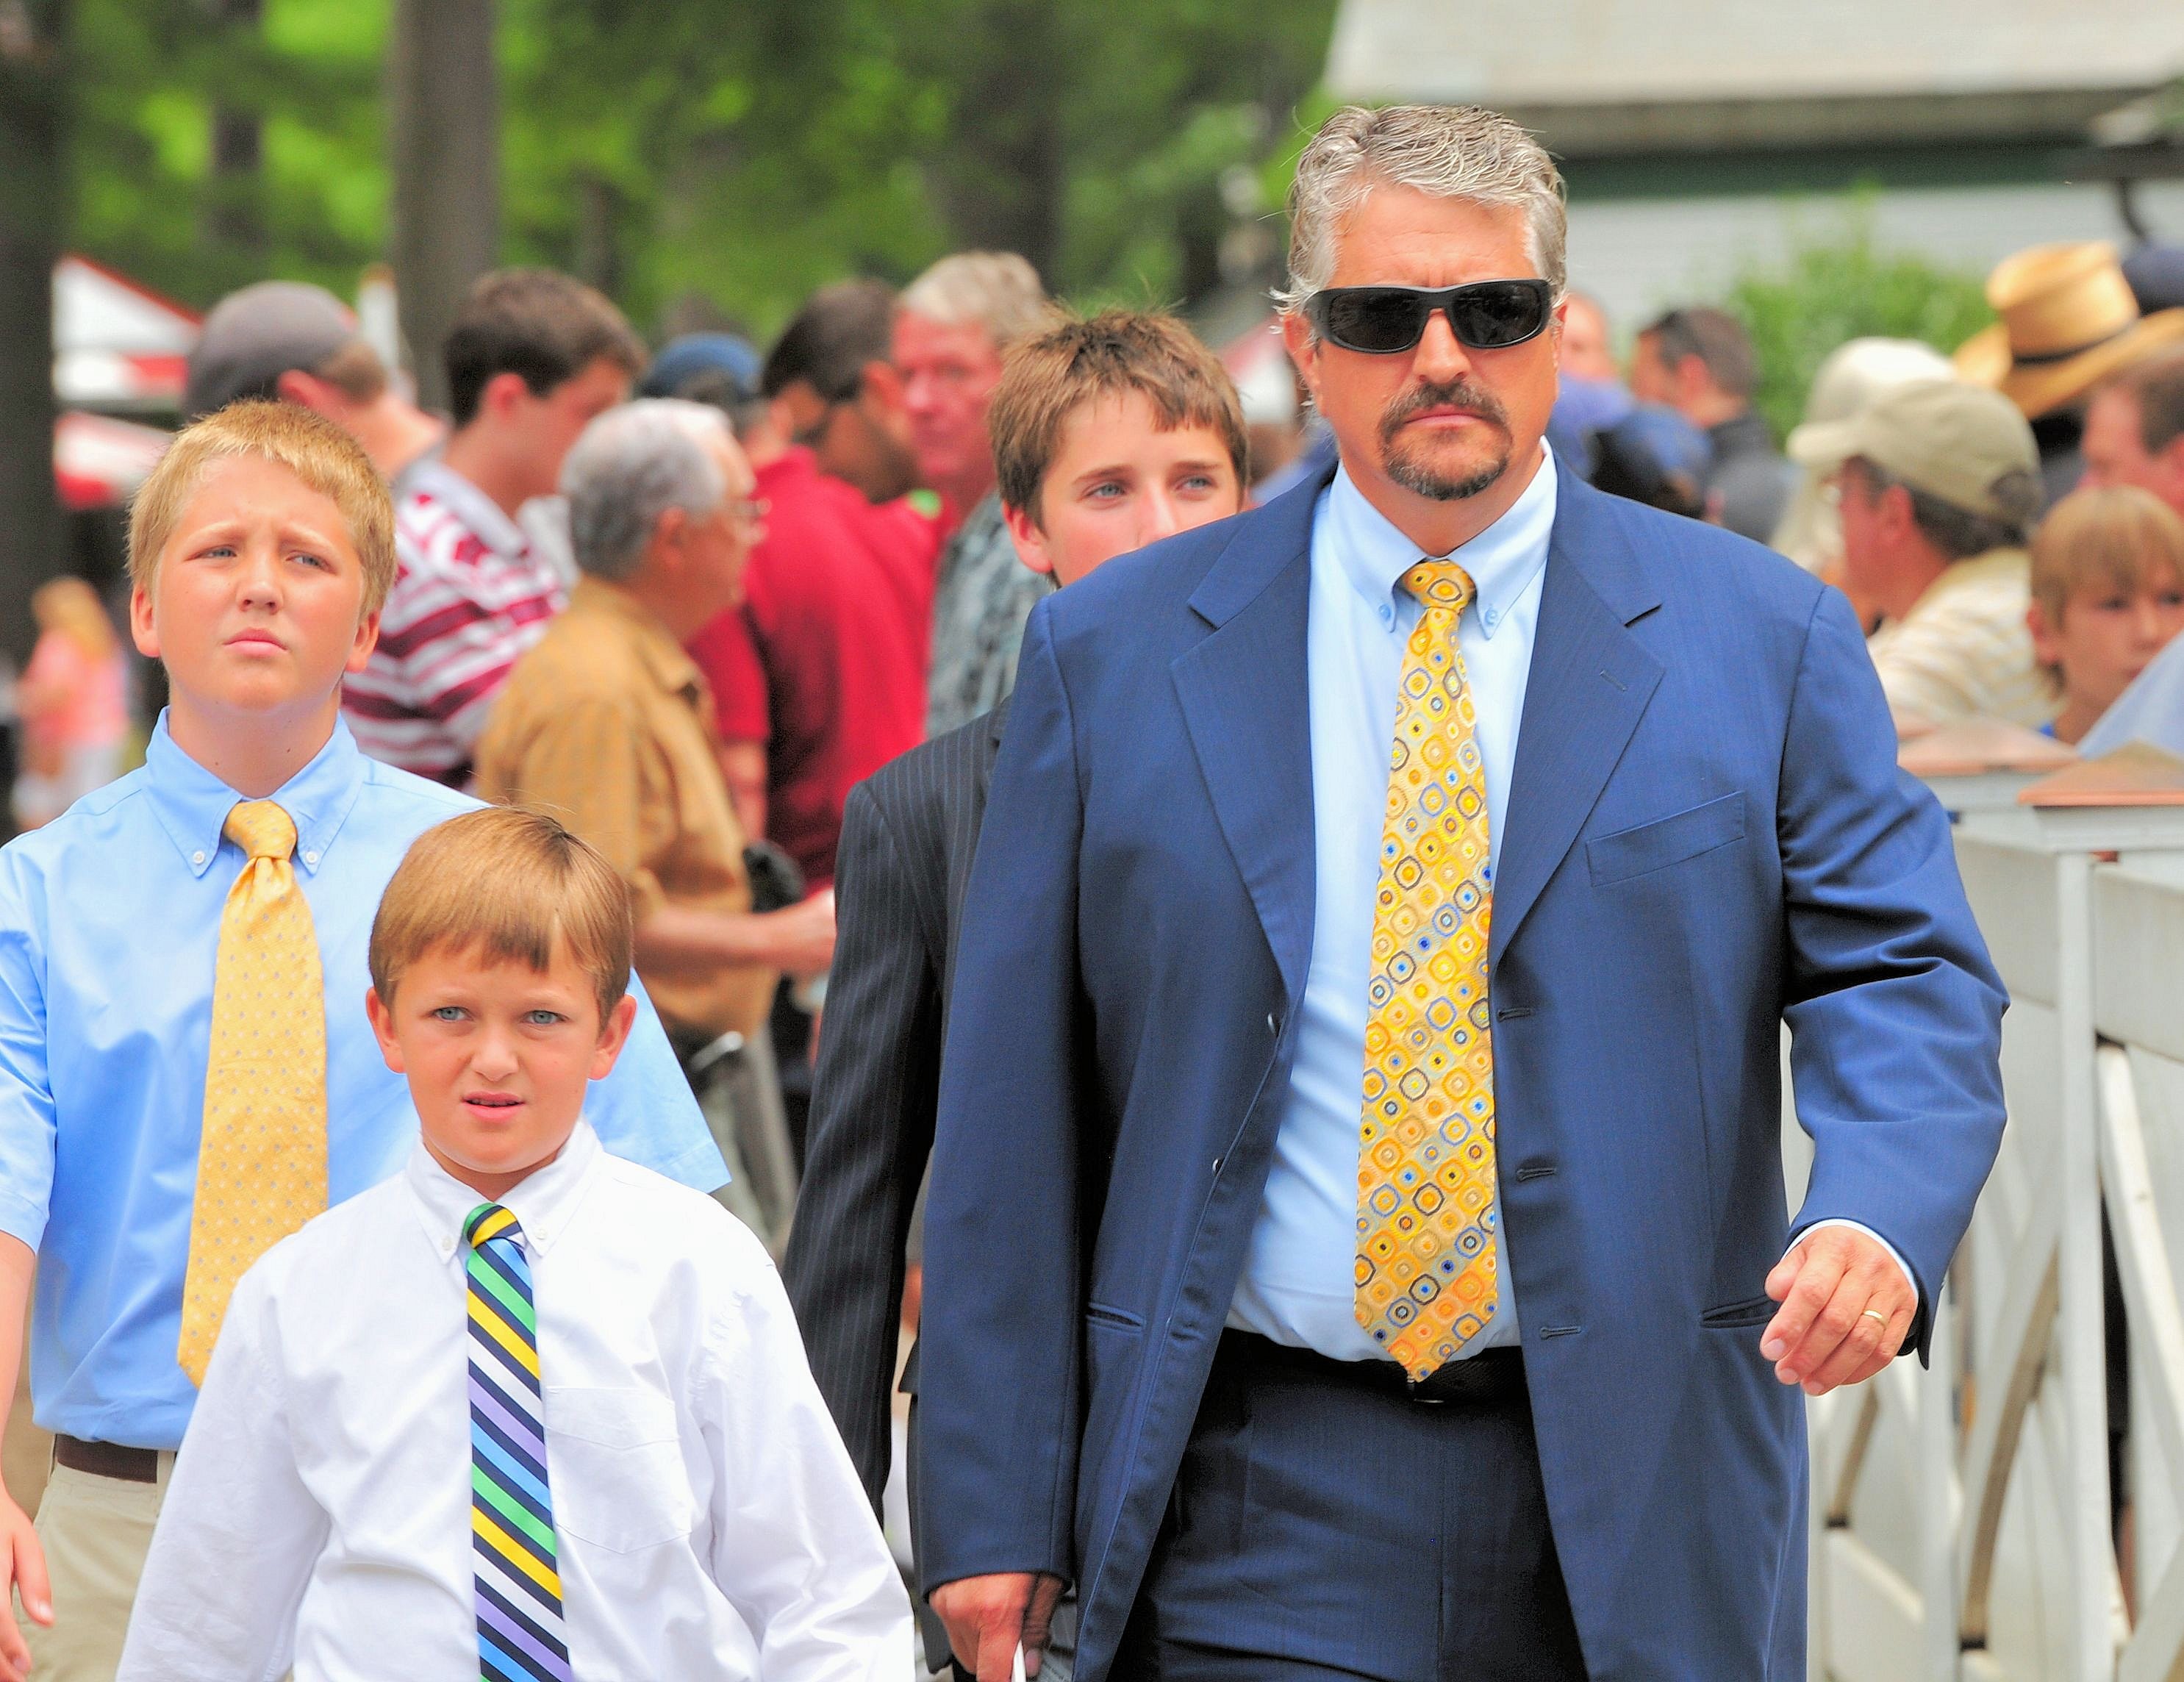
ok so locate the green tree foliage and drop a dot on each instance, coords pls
(1838, 284)
(149, 76)
(674, 147)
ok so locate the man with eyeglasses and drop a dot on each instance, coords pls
(1355, 1245)
(819, 672)
(609, 724)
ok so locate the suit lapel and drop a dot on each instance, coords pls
(1243, 695)
(1590, 683)
(990, 746)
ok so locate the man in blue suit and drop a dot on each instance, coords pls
(1356, 1244)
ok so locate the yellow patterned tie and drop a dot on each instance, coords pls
(1427, 1258)
(262, 1164)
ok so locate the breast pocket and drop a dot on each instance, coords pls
(1671, 840)
(615, 1466)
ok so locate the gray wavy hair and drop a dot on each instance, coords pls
(633, 464)
(1448, 151)
(996, 290)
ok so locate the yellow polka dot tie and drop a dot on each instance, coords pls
(1427, 1258)
(262, 1163)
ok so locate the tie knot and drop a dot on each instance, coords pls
(261, 829)
(488, 1221)
(1440, 584)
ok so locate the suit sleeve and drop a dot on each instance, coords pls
(998, 1418)
(1894, 1010)
(870, 1135)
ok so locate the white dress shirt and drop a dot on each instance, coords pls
(708, 1521)
(1297, 1285)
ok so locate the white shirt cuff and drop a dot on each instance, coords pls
(1903, 1267)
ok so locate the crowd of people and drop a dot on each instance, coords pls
(727, 640)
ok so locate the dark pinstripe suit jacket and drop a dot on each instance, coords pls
(908, 835)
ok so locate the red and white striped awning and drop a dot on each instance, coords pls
(99, 461)
(117, 346)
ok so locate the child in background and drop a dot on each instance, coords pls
(2107, 594)
(524, 1412)
(72, 701)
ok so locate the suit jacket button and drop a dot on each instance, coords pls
(1273, 1026)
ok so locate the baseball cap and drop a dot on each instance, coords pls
(1955, 442)
(254, 336)
(684, 361)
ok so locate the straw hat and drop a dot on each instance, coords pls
(2068, 320)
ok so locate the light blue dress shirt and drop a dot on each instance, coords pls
(1296, 1285)
(109, 924)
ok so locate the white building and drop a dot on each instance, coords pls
(1698, 135)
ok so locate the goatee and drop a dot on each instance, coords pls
(1409, 468)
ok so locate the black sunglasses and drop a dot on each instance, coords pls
(1382, 320)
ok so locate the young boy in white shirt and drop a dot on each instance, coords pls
(525, 1411)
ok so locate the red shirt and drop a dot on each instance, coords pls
(825, 661)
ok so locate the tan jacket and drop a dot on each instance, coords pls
(608, 725)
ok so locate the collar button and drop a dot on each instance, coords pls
(311, 859)
(197, 858)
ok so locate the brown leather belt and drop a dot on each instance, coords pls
(1492, 1377)
(106, 1460)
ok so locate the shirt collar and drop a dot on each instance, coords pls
(1502, 560)
(666, 659)
(433, 479)
(1965, 574)
(193, 805)
(542, 1203)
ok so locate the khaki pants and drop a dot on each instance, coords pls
(96, 1532)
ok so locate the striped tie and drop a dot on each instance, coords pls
(520, 1635)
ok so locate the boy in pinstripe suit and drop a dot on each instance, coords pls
(1109, 434)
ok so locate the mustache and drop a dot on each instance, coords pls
(1452, 394)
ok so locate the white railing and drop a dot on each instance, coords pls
(1963, 1519)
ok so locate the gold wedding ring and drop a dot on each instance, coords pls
(1874, 1314)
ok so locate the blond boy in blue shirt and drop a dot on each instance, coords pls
(186, 1074)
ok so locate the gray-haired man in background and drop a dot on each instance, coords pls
(608, 724)
(954, 325)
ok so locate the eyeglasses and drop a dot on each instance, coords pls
(1384, 321)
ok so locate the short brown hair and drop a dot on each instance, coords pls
(1048, 375)
(1716, 337)
(2157, 386)
(2116, 536)
(356, 372)
(514, 883)
(312, 447)
(538, 323)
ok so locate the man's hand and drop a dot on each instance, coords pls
(1846, 1309)
(22, 1562)
(987, 1617)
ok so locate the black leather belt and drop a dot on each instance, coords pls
(1491, 1376)
(106, 1460)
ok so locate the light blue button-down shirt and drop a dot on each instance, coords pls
(109, 924)
(1296, 1285)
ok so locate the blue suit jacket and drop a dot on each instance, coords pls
(1706, 834)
